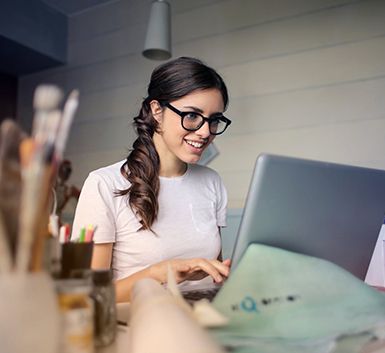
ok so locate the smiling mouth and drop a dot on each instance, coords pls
(195, 143)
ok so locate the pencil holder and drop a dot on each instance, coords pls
(75, 256)
(29, 313)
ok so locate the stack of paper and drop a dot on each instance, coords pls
(279, 301)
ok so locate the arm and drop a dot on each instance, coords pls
(184, 269)
(101, 256)
(101, 259)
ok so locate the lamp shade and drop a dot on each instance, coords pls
(158, 39)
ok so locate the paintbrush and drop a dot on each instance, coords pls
(47, 171)
(10, 185)
(46, 99)
(37, 176)
(32, 174)
(69, 111)
(5, 254)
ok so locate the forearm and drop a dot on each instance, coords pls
(183, 269)
(124, 286)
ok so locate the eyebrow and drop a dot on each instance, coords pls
(198, 110)
(193, 108)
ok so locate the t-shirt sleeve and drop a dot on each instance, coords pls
(95, 207)
(221, 203)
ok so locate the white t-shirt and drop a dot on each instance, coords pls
(191, 208)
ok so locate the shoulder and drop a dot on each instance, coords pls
(109, 175)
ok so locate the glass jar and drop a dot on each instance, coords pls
(103, 294)
(77, 313)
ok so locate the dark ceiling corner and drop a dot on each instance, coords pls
(17, 60)
(33, 37)
(8, 94)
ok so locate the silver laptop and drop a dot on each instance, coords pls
(326, 210)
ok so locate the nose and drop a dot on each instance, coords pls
(204, 130)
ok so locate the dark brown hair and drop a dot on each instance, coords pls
(170, 81)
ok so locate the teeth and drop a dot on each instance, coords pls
(195, 144)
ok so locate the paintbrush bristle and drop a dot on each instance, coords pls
(74, 94)
(26, 150)
(47, 97)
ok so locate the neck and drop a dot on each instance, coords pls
(170, 165)
(172, 171)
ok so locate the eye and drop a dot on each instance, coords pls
(215, 122)
(192, 116)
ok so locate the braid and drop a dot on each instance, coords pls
(141, 169)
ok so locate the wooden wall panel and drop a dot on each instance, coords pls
(309, 107)
(230, 15)
(351, 23)
(310, 69)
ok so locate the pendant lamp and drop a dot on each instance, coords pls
(158, 39)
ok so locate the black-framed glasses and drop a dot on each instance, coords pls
(193, 121)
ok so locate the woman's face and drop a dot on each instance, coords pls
(173, 142)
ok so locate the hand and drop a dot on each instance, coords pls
(192, 269)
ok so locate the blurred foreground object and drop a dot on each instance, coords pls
(28, 166)
(159, 324)
(10, 186)
(30, 315)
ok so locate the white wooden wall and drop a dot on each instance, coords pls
(306, 78)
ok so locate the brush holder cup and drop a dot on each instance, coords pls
(29, 313)
(75, 257)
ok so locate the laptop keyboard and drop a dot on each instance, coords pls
(194, 295)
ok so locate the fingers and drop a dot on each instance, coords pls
(222, 267)
(210, 268)
(193, 269)
(214, 268)
(227, 262)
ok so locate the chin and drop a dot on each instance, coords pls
(192, 159)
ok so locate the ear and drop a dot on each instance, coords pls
(156, 110)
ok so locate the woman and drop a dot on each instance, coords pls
(159, 208)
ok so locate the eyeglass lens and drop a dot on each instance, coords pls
(194, 121)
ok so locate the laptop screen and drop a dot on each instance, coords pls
(326, 210)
